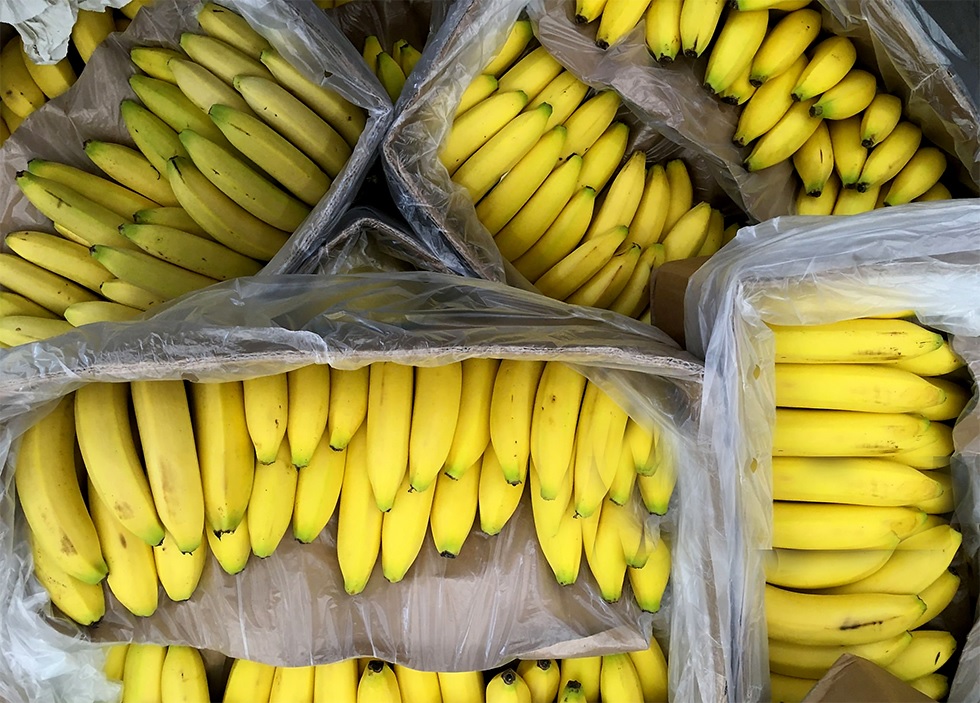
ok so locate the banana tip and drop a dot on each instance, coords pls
(816, 111)
(602, 44)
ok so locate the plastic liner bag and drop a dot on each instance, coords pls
(441, 212)
(908, 48)
(90, 109)
(497, 601)
(804, 270)
(45, 26)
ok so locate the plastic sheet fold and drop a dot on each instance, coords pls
(807, 270)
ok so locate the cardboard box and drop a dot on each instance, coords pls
(667, 289)
(855, 680)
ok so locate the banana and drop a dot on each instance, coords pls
(90, 30)
(619, 17)
(292, 684)
(663, 29)
(483, 169)
(608, 282)
(336, 682)
(557, 401)
(650, 581)
(14, 304)
(266, 412)
(435, 412)
(82, 602)
(740, 90)
(945, 502)
(811, 662)
(270, 506)
(168, 102)
(10, 119)
(221, 58)
(132, 571)
(24, 329)
(784, 5)
(926, 653)
(823, 204)
(768, 104)
(808, 569)
(934, 453)
(601, 161)
(403, 529)
(832, 59)
(454, 510)
(132, 7)
(740, 38)
(850, 480)
(851, 95)
(153, 136)
(880, 118)
(154, 61)
(204, 89)
(838, 620)
(111, 460)
(182, 677)
(647, 225)
(409, 58)
(889, 157)
(622, 199)
(478, 125)
(651, 667)
(89, 220)
(565, 277)
(860, 387)
(698, 21)
(359, 520)
(141, 675)
(388, 429)
(604, 553)
(219, 215)
(542, 678)
(348, 404)
(590, 475)
(565, 93)
(175, 217)
(47, 486)
(108, 194)
(814, 161)
(784, 44)
(511, 411)
(784, 139)
(158, 276)
(179, 572)
(514, 190)
(18, 90)
(169, 451)
(418, 686)
(191, 252)
(935, 686)
(937, 596)
(656, 490)
(130, 295)
(341, 114)
(462, 686)
(833, 526)
(481, 88)
(296, 122)
(391, 75)
(130, 168)
(231, 28)
(789, 689)
(558, 531)
(681, 191)
(715, 234)
(531, 74)
(937, 361)
(848, 152)
(372, 50)
(309, 402)
(115, 661)
(642, 448)
(507, 687)
(686, 237)
(589, 121)
(543, 215)
(59, 256)
(920, 174)
(318, 491)
(224, 451)
(584, 670)
(587, 11)
(515, 43)
(853, 341)
(53, 79)
(956, 399)
(846, 433)
(571, 692)
(472, 434)
(619, 680)
(4, 130)
(231, 549)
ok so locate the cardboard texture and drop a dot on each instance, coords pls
(855, 680)
(667, 289)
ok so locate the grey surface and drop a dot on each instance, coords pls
(960, 19)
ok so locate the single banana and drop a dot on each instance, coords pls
(784, 139)
(498, 499)
(558, 530)
(784, 5)
(531, 74)
(15, 304)
(714, 239)
(231, 28)
(561, 237)
(372, 50)
(294, 683)
(49, 494)
(359, 519)
(647, 224)
(180, 572)
(889, 157)
(10, 119)
(511, 410)
(115, 661)
(554, 419)
(542, 678)
(454, 510)
(309, 402)
(562, 279)
(650, 581)
(130, 168)
(846, 433)
(768, 104)
(956, 399)
(584, 670)
(860, 387)
(834, 526)
(622, 199)
(248, 681)
(587, 11)
(608, 282)
(740, 38)
(472, 433)
(82, 602)
(824, 203)
(481, 88)
(266, 412)
(106, 193)
(789, 688)
(619, 680)
(880, 118)
(740, 90)
(18, 90)
(417, 686)
(935, 686)
(937, 360)
(920, 174)
(222, 59)
(336, 682)
(90, 30)
(231, 549)
(589, 122)
(270, 506)
(809, 661)
(53, 79)
(854, 341)
(348, 404)
(318, 491)
(946, 501)
(169, 103)
(128, 294)
(634, 298)
(141, 675)
(391, 76)
(663, 29)
(681, 191)
(603, 549)
(175, 217)
(849, 155)
(158, 276)
(937, 596)
(807, 569)
(59, 256)
(462, 686)
(601, 161)
(478, 125)
(409, 58)
(621, 488)
(154, 61)
(850, 480)
(686, 237)
(153, 136)
(838, 620)
(25, 329)
(935, 451)
(784, 44)
(565, 93)
(388, 429)
(814, 161)
(507, 687)
(182, 677)
(831, 61)
(435, 412)
(619, 17)
(4, 129)
(191, 252)
(850, 96)
(167, 436)
(203, 88)
(515, 43)
(403, 529)
(651, 667)
(698, 21)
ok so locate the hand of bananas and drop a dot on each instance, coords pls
(860, 476)
(391, 68)
(178, 673)
(234, 147)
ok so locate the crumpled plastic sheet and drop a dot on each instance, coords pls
(497, 601)
(45, 25)
(896, 36)
(440, 211)
(90, 109)
(809, 270)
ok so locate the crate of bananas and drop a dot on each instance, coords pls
(193, 149)
(846, 422)
(244, 481)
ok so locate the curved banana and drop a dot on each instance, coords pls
(784, 44)
(168, 102)
(203, 88)
(937, 361)
(937, 596)
(231, 549)
(880, 118)
(584, 670)
(619, 17)
(462, 686)
(558, 530)
(622, 198)
(82, 602)
(846, 433)
(182, 677)
(589, 121)
(768, 104)
(191, 252)
(862, 387)
(318, 491)
(927, 652)
(309, 403)
(831, 61)
(293, 683)
(603, 158)
(833, 526)
(849, 154)
(179, 572)
(934, 452)
(608, 282)
(542, 678)
(336, 682)
(698, 21)
(222, 59)
(479, 89)
(270, 506)
(25, 329)
(175, 217)
(128, 294)
(472, 434)
(823, 204)
(561, 237)
(478, 125)
(388, 428)
(515, 43)
(889, 157)
(850, 96)
(920, 174)
(391, 75)
(565, 277)
(507, 687)
(231, 28)
(153, 136)
(619, 680)
(650, 581)
(850, 480)
(741, 36)
(67, 259)
(663, 29)
(248, 681)
(511, 412)
(740, 90)
(681, 192)
(52, 79)
(808, 569)
(106, 193)
(868, 341)
(142, 672)
(154, 61)
(785, 138)
(133, 170)
(359, 520)
(557, 401)
(158, 276)
(15, 304)
(18, 90)
(531, 74)
(956, 399)
(435, 412)
(565, 93)
(348, 404)
(266, 412)
(812, 662)
(814, 161)
(115, 661)
(454, 510)
(417, 686)
(498, 499)
(403, 529)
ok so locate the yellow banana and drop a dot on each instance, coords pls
(191, 252)
(663, 29)
(169, 103)
(789, 688)
(82, 602)
(391, 75)
(715, 236)
(554, 420)
(561, 237)
(937, 596)
(98, 311)
(686, 237)
(846, 433)
(231, 549)
(848, 153)
(920, 174)
(740, 38)
(462, 686)
(108, 194)
(175, 217)
(478, 125)
(861, 387)
(785, 138)
(25, 329)
(851, 480)
(318, 491)
(823, 204)
(515, 43)
(115, 661)
(270, 506)
(359, 520)
(511, 412)
(435, 412)
(403, 529)
(153, 136)
(814, 161)
(565, 93)
(508, 687)
(498, 499)
(204, 89)
(410, 56)
(156, 275)
(956, 399)
(946, 501)
(418, 686)
(740, 90)
(15, 304)
(880, 118)
(454, 510)
(807, 569)
(18, 90)
(128, 294)
(130, 168)
(619, 17)
(53, 79)
(542, 677)
(651, 667)
(832, 59)
(179, 572)
(10, 119)
(603, 548)
(348, 404)
(154, 61)
(937, 361)
(222, 59)
(935, 451)
(481, 88)
(622, 199)
(472, 433)
(4, 130)
(847, 98)
(589, 121)
(584, 670)
(601, 161)
(784, 44)
(182, 677)
(372, 50)
(388, 429)
(558, 530)
(768, 104)
(141, 675)
(266, 412)
(889, 157)
(58, 256)
(90, 30)
(650, 581)
(309, 402)
(853, 341)
(587, 11)
(562, 279)
(809, 661)
(936, 686)
(834, 526)
(230, 27)
(698, 21)
(531, 74)
(608, 282)
(619, 680)
(335, 682)
(681, 192)
(294, 683)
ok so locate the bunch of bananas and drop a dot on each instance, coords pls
(635, 676)
(394, 450)
(235, 146)
(391, 69)
(536, 154)
(860, 483)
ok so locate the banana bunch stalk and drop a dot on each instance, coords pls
(391, 68)
(632, 676)
(861, 488)
(234, 146)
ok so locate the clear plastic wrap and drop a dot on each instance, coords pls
(804, 270)
(90, 110)
(498, 600)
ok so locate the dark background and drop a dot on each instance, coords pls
(960, 19)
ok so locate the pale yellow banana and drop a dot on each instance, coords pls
(565, 93)
(784, 44)
(403, 529)
(920, 174)
(388, 429)
(854, 341)
(231, 549)
(18, 90)
(531, 74)
(454, 510)
(154, 61)
(179, 572)
(58, 256)
(847, 98)
(832, 59)
(880, 118)
(472, 434)
(498, 499)
(230, 27)
(850, 480)
(740, 38)
(663, 29)
(318, 491)
(889, 157)
(478, 125)
(604, 157)
(435, 412)
(156, 275)
(511, 412)
(589, 122)
(309, 402)
(128, 294)
(130, 168)
(515, 43)
(359, 520)
(809, 661)
(768, 104)
(348, 404)
(698, 21)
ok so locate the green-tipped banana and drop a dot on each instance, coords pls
(155, 275)
(190, 252)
